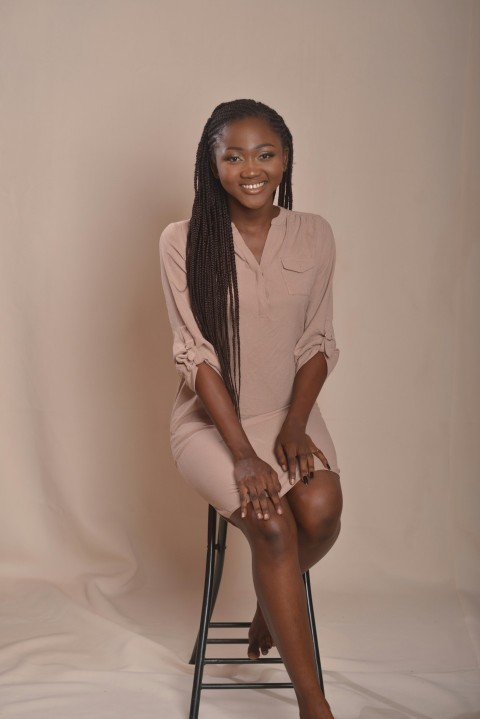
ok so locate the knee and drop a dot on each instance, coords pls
(277, 536)
(322, 522)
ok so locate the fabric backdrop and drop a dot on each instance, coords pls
(102, 544)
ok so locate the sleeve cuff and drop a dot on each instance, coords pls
(188, 355)
(324, 344)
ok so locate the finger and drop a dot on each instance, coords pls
(243, 500)
(276, 484)
(311, 465)
(273, 492)
(281, 457)
(256, 503)
(318, 453)
(263, 499)
(303, 465)
(292, 467)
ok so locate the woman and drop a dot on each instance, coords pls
(248, 288)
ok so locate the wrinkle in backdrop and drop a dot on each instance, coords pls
(102, 542)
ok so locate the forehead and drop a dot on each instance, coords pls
(248, 132)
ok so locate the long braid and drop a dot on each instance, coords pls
(211, 269)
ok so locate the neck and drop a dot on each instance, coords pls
(249, 220)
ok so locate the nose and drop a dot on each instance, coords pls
(250, 168)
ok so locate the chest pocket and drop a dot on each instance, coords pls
(298, 273)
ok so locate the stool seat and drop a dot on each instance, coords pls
(216, 546)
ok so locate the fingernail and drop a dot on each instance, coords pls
(311, 475)
(243, 515)
(284, 467)
(279, 510)
(292, 480)
(328, 466)
(259, 515)
(266, 516)
(305, 480)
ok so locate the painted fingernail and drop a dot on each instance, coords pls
(305, 480)
(311, 475)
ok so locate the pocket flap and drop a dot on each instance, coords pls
(298, 264)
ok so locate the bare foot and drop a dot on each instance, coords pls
(260, 639)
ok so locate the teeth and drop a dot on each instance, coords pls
(256, 186)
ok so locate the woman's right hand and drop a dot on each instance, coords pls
(256, 482)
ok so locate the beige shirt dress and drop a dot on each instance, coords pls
(285, 319)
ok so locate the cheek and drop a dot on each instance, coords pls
(226, 176)
(279, 171)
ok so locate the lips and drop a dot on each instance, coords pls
(253, 186)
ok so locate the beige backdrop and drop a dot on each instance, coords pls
(102, 105)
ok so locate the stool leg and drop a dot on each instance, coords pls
(205, 617)
(313, 628)
(219, 559)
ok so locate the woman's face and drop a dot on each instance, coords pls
(249, 161)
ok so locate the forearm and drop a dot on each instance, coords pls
(211, 389)
(308, 382)
(255, 478)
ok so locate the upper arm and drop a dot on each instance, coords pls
(318, 335)
(190, 348)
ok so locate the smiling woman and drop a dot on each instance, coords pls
(251, 171)
(248, 287)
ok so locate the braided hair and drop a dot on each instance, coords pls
(210, 262)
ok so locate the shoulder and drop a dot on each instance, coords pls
(308, 222)
(311, 231)
(173, 240)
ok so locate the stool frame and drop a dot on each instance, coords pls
(216, 546)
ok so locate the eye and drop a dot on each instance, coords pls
(233, 158)
(266, 155)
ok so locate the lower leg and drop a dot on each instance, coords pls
(280, 590)
(317, 510)
(308, 555)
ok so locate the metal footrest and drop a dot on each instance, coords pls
(253, 685)
(243, 660)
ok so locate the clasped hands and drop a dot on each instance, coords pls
(257, 480)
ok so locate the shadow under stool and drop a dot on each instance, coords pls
(216, 546)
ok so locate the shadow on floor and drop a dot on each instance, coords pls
(390, 709)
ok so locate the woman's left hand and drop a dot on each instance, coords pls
(294, 445)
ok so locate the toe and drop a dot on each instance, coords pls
(253, 651)
(265, 647)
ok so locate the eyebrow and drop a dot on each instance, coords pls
(257, 147)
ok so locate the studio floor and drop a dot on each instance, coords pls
(71, 652)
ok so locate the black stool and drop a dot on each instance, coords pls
(213, 575)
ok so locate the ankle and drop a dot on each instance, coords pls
(314, 706)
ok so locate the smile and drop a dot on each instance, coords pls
(254, 186)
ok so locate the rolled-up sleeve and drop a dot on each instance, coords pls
(190, 348)
(318, 334)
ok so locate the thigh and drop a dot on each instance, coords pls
(206, 464)
(317, 504)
